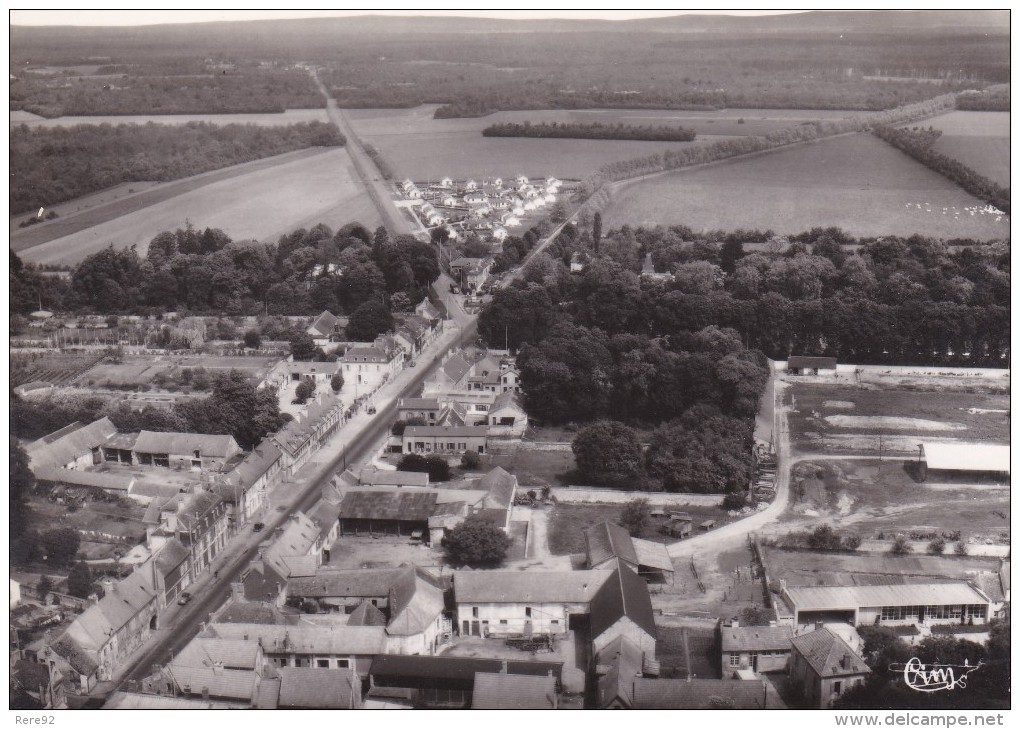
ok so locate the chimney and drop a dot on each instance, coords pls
(819, 625)
(782, 586)
(237, 590)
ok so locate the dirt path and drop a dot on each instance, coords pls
(538, 547)
(735, 534)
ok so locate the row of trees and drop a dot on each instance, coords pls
(918, 144)
(233, 407)
(577, 130)
(995, 98)
(593, 188)
(163, 86)
(52, 165)
(307, 271)
(896, 300)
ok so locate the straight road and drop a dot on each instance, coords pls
(370, 175)
(180, 626)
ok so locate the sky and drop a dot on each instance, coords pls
(153, 17)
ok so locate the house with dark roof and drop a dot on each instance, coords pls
(825, 667)
(75, 446)
(366, 614)
(702, 694)
(261, 583)
(216, 668)
(443, 682)
(173, 570)
(426, 409)
(507, 416)
(760, 648)
(800, 365)
(110, 630)
(195, 451)
(319, 688)
(296, 547)
(345, 591)
(41, 684)
(607, 544)
(324, 328)
(508, 691)
(423, 513)
(326, 518)
(445, 439)
(362, 360)
(200, 523)
(616, 667)
(623, 607)
(246, 489)
(451, 375)
(302, 437)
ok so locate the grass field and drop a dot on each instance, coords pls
(535, 469)
(844, 418)
(290, 116)
(139, 371)
(261, 202)
(855, 182)
(978, 139)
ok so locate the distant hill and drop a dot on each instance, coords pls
(314, 28)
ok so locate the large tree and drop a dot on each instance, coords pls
(477, 542)
(79, 580)
(369, 321)
(608, 454)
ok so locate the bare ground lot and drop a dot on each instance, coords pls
(259, 202)
(845, 418)
(880, 190)
(878, 499)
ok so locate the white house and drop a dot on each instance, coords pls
(471, 185)
(446, 183)
(499, 234)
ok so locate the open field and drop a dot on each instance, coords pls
(536, 468)
(421, 147)
(290, 116)
(261, 203)
(978, 139)
(855, 182)
(845, 418)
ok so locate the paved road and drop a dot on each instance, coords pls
(370, 175)
(363, 432)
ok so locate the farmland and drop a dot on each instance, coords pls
(261, 203)
(854, 182)
(978, 139)
(420, 147)
(140, 371)
(290, 116)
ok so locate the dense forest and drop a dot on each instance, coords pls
(165, 86)
(305, 272)
(565, 130)
(593, 186)
(918, 144)
(50, 166)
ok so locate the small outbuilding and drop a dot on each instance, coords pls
(798, 365)
(977, 459)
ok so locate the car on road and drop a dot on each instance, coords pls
(184, 599)
(259, 526)
(371, 410)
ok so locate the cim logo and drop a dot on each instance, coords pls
(936, 676)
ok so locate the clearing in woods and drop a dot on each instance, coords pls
(857, 182)
(260, 204)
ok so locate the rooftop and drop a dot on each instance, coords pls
(875, 596)
(364, 640)
(318, 688)
(967, 456)
(513, 691)
(624, 594)
(216, 446)
(828, 654)
(69, 444)
(606, 541)
(534, 586)
(704, 693)
(753, 638)
(401, 506)
(825, 363)
(442, 431)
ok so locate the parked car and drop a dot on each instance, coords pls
(184, 599)
(371, 409)
(259, 526)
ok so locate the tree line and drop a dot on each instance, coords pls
(350, 272)
(994, 98)
(53, 165)
(593, 188)
(918, 144)
(577, 130)
(166, 86)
